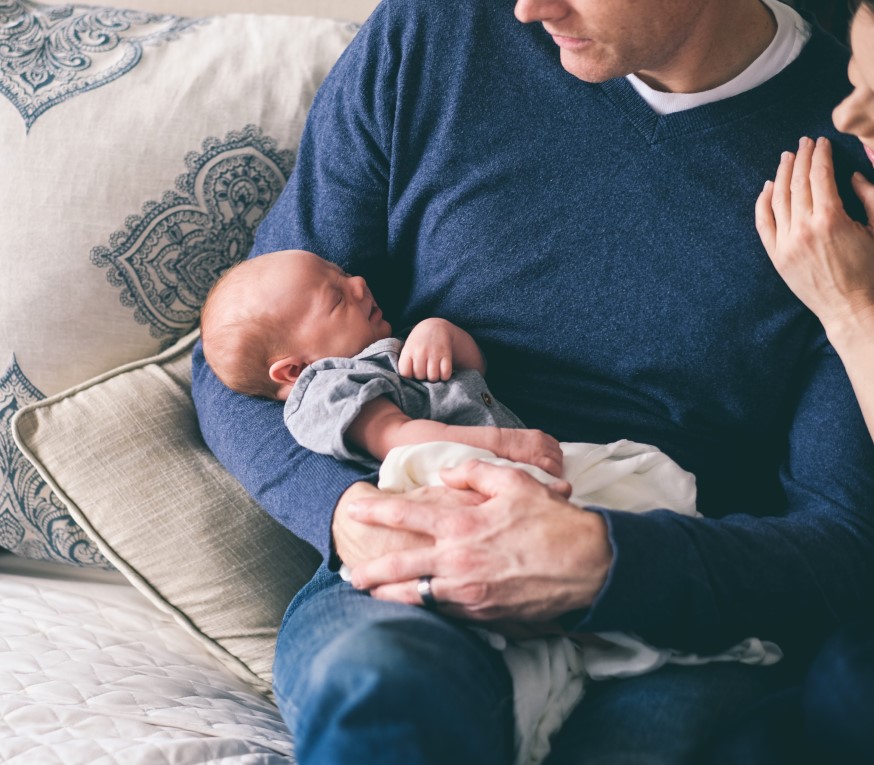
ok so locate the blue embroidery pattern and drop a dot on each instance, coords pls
(165, 260)
(51, 53)
(33, 521)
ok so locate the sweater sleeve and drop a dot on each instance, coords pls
(335, 206)
(703, 584)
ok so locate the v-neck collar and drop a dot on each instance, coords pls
(663, 127)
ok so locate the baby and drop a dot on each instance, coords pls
(294, 327)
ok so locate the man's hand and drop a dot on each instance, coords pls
(434, 348)
(524, 554)
(357, 543)
(533, 447)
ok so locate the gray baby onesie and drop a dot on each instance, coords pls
(330, 393)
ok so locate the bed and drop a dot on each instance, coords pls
(93, 673)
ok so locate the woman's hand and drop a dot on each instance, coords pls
(825, 257)
(524, 554)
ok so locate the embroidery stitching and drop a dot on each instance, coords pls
(165, 260)
(33, 521)
(49, 54)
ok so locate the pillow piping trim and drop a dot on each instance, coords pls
(130, 573)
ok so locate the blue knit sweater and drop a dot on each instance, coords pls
(606, 260)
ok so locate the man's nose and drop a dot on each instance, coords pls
(527, 11)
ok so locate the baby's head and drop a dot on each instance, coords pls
(269, 317)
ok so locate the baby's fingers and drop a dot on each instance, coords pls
(405, 362)
(551, 459)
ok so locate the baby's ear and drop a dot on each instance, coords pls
(286, 371)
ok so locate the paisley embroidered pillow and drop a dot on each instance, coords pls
(138, 153)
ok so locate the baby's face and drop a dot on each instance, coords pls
(339, 316)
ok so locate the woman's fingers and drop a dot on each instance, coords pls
(865, 191)
(824, 188)
(781, 195)
(766, 225)
(801, 201)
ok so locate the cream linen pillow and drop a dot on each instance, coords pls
(138, 153)
(124, 454)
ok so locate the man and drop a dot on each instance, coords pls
(577, 192)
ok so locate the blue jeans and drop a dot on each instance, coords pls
(364, 681)
(838, 695)
(827, 718)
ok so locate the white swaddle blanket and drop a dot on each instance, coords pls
(549, 674)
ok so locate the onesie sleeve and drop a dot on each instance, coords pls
(327, 398)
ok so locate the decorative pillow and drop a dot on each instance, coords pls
(123, 452)
(138, 153)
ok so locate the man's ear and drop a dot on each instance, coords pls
(286, 371)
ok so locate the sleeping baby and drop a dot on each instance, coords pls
(294, 327)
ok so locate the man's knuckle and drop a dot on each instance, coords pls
(392, 568)
(473, 595)
(516, 477)
(459, 524)
(461, 561)
(396, 513)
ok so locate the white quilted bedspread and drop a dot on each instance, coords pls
(92, 674)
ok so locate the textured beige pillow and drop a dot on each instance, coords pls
(124, 453)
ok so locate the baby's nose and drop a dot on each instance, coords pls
(358, 287)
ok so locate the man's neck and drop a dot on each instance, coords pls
(726, 39)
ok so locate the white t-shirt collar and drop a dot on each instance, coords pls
(792, 34)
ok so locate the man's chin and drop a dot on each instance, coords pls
(588, 68)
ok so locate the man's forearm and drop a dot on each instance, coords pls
(297, 487)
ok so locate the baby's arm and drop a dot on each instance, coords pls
(435, 347)
(381, 425)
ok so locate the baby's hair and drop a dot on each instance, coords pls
(239, 332)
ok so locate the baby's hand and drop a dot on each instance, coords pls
(427, 352)
(532, 446)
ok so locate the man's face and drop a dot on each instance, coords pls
(603, 39)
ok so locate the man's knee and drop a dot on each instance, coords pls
(391, 661)
(422, 686)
